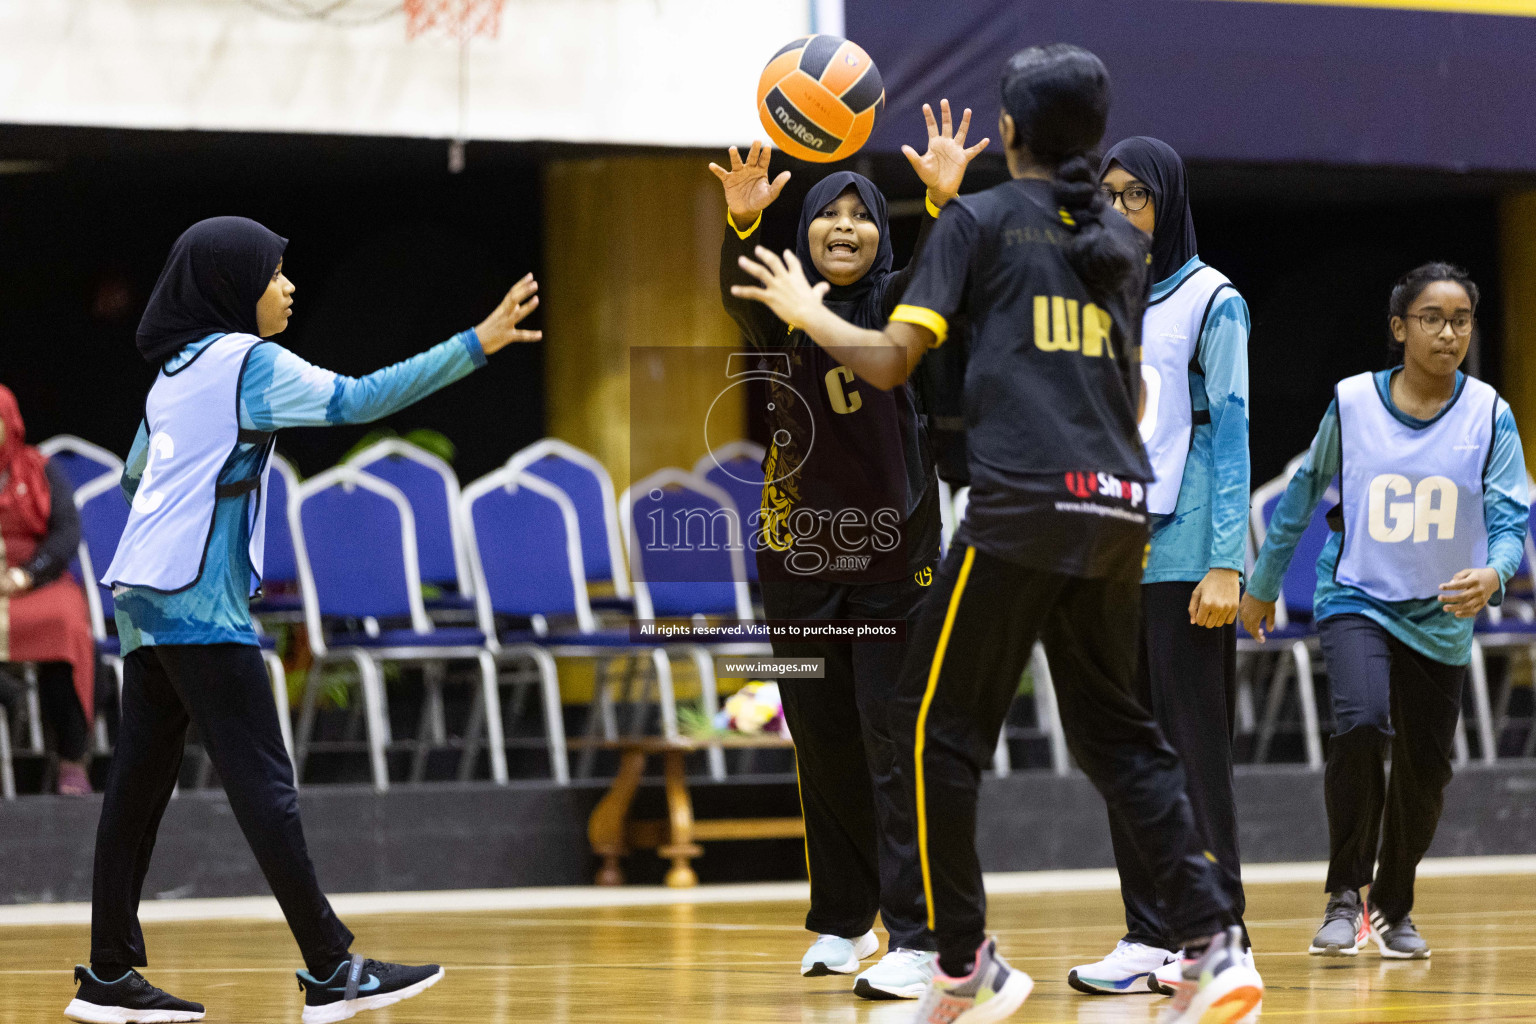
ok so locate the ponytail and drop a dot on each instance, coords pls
(1058, 97)
(1103, 260)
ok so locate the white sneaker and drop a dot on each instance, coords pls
(833, 954)
(1221, 986)
(900, 974)
(1166, 978)
(1123, 972)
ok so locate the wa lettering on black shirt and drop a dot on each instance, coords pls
(1058, 470)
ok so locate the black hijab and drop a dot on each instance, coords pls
(1158, 167)
(848, 298)
(211, 283)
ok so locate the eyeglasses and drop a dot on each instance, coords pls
(1434, 323)
(1135, 198)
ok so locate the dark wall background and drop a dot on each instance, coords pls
(390, 254)
(1274, 82)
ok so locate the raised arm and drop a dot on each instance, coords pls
(942, 169)
(282, 390)
(748, 192)
(884, 358)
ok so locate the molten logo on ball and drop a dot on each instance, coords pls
(818, 98)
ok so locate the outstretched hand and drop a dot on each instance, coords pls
(942, 167)
(784, 290)
(748, 192)
(499, 330)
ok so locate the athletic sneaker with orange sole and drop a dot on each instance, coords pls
(1221, 987)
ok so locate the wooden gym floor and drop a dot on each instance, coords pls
(737, 962)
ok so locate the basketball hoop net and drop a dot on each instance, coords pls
(458, 19)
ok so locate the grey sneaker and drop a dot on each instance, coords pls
(990, 993)
(1344, 928)
(1400, 941)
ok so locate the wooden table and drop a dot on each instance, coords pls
(613, 835)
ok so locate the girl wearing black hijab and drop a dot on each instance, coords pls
(849, 530)
(1194, 366)
(1054, 285)
(189, 559)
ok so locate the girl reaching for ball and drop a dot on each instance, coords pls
(188, 560)
(849, 529)
(1429, 529)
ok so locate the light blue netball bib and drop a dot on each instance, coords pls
(193, 419)
(1170, 334)
(1412, 497)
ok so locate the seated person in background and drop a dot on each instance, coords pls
(43, 617)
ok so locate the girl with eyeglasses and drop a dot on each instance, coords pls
(1194, 423)
(1430, 527)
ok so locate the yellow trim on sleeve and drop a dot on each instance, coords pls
(922, 728)
(743, 235)
(928, 202)
(923, 318)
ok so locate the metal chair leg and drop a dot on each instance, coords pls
(280, 699)
(494, 737)
(709, 695)
(306, 718)
(1045, 702)
(665, 695)
(1002, 759)
(554, 715)
(1273, 701)
(1312, 735)
(7, 770)
(377, 716)
(34, 711)
(1482, 706)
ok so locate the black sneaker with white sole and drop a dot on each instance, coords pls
(127, 1000)
(358, 985)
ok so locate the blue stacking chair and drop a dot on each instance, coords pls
(526, 553)
(737, 469)
(280, 598)
(677, 579)
(355, 541)
(103, 515)
(81, 461)
(1508, 628)
(1294, 633)
(432, 489)
(590, 488)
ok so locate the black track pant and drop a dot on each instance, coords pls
(1187, 675)
(860, 839)
(1385, 694)
(973, 640)
(225, 689)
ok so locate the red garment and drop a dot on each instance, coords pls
(51, 623)
(23, 484)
